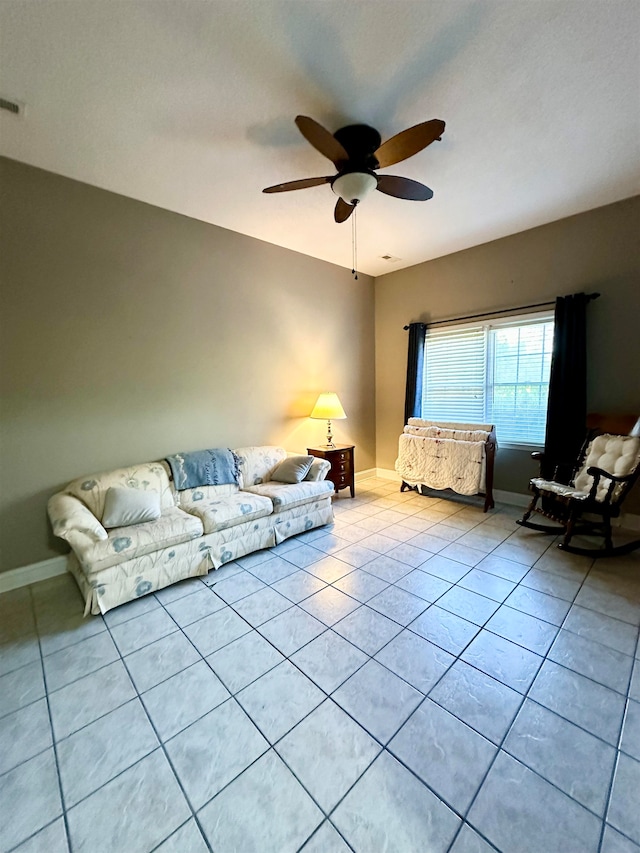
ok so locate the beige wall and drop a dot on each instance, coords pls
(594, 251)
(129, 332)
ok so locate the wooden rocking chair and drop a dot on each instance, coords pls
(607, 468)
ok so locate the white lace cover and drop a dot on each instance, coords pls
(443, 463)
(420, 422)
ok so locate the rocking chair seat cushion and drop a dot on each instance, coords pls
(559, 489)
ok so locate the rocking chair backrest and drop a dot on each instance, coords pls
(599, 424)
(616, 454)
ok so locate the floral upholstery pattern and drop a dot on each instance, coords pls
(234, 542)
(228, 511)
(288, 496)
(188, 497)
(302, 518)
(149, 476)
(258, 463)
(123, 543)
(69, 515)
(107, 587)
(319, 470)
(139, 576)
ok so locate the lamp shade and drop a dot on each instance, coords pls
(328, 408)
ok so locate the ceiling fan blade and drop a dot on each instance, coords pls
(297, 185)
(409, 142)
(343, 210)
(403, 188)
(321, 139)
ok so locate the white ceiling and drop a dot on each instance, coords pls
(189, 105)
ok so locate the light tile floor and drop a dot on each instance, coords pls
(418, 677)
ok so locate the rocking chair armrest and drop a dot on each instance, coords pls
(539, 456)
(597, 473)
(600, 472)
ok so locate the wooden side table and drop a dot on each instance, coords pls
(342, 473)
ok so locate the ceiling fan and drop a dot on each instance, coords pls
(357, 151)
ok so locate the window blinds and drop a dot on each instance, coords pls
(496, 373)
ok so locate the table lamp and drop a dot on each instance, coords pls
(328, 407)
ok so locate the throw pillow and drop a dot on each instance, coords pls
(124, 507)
(293, 469)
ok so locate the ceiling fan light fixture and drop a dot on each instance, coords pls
(354, 186)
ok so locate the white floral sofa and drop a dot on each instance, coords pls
(198, 529)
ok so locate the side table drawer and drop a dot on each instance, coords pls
(342, 467)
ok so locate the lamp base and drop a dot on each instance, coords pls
(329, 436)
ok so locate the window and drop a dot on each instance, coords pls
(491, 373)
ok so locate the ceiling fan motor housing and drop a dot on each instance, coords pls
(360, 142)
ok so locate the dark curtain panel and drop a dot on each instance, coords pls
(567, 409)
(415, 365)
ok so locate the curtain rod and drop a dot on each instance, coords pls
(590, 296)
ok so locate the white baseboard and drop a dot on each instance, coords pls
(25, 575)
(366, 474)
(628, 520)
(388, 474)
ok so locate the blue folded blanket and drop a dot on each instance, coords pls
(204, 468)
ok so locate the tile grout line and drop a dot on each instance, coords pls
(161, 746)
(327, 697)
(524, 695)
(383, 745)
(403, 627)
(510, 727)
(619, 752)
(139, 697)
(369, 657)
(54, 745)
(271, 746)
(484, 624)
(500, 604)
(483, 627)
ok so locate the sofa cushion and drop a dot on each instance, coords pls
(147, 477)
(258, 463)
(293, 469)
(228, 511)
(124, 507)
(124, 543)
(287, 496)
(205, 493)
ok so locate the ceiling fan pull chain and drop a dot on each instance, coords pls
(354, 243)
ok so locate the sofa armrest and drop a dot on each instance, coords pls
(319, 470)
(72, 521)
